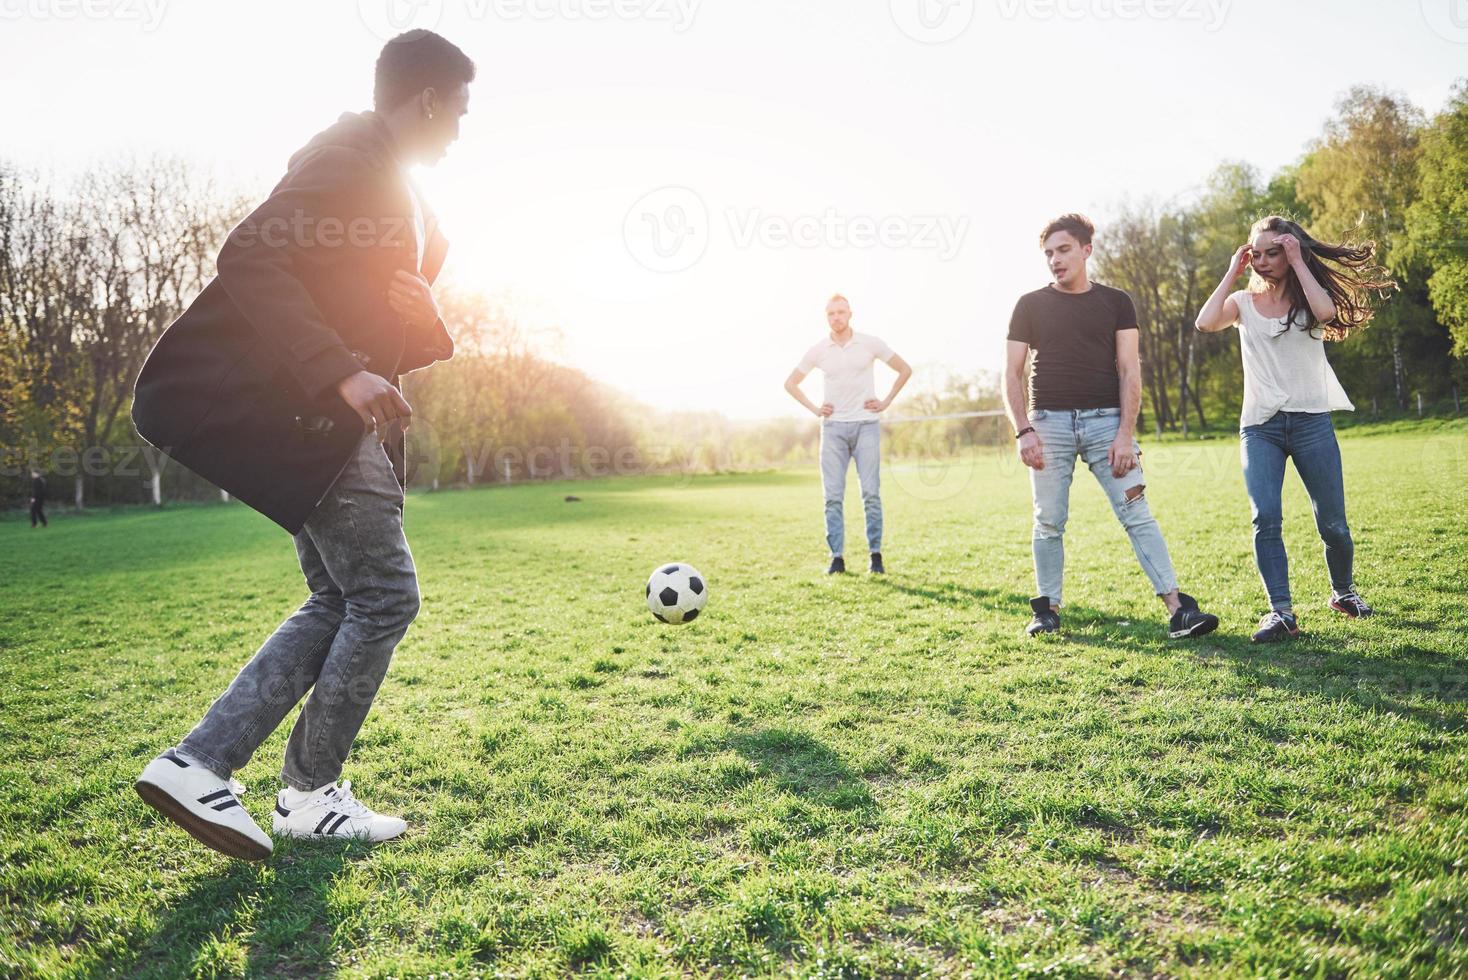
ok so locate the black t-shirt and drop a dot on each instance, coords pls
(1073, 336)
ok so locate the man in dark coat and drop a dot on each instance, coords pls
(280, 385)
(38, 499)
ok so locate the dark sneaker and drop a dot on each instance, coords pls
(1277, 627)
(1189, 620)
(1351, 604)
(1045, 620)
(877, 567)
(838, 566)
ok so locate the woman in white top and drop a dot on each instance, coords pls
(1294, 304)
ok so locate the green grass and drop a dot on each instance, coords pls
(823, 777)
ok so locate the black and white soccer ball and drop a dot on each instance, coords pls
(677, 593)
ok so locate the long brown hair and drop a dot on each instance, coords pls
(1351, 279)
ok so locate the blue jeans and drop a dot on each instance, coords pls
(1088, 433)
(1309, 439)
(842, 442)
(364, 593)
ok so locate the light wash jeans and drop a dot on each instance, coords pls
(1309, 439)
(840, 443)
(1088, 433)
(364, 593)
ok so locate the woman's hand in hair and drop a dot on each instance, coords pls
(1243, 258)
(1221, 311)
(1291, 246)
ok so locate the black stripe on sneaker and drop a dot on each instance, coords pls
(281, 810)
(337, 826)
(211, 797)
(227, 804)
(324, 821)
(172, 757)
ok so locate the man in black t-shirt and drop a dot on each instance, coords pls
(1085, 391)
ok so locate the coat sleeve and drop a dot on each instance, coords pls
(258, 263)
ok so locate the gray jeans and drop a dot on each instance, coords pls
(364, 593)
(1088, 433)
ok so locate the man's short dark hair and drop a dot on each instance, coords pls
(414, 61)
(1077, 224)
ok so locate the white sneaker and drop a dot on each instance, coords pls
(202, 804)
(332, 811)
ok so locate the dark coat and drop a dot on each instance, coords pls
(241, 388)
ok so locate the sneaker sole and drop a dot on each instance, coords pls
(363, 838)
(1199, 629)
(1346, 612)
(211, 835)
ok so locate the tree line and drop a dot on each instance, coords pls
(1380, 171)
(94, 268)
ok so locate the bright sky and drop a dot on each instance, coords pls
(680, 184)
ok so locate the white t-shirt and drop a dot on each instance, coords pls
(848, 373)
(1285, 369)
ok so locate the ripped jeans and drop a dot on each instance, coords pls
(1088, 433)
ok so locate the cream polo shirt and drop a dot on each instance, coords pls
(848, 374)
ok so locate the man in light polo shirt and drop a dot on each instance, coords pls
(849, 427)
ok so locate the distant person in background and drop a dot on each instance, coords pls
(1085, 391)
(1294, 304)
(849, 426)
(38, 499)
(280, 384)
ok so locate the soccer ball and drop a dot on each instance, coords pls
(676, 593)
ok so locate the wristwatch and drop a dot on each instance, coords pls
(1024, 432)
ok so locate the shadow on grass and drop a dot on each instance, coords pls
(961, 596)
(276, 909)
(1423, 685)
(803, 766)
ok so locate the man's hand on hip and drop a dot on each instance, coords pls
(376, 401)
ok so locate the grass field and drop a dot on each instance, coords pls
(826, 777)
